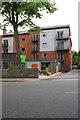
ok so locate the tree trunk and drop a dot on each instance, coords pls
(16, 37)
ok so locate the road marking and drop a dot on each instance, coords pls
(64, 80)
(72, 92)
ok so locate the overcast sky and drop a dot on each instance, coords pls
(67, 13)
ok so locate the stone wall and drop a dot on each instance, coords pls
(20, 73)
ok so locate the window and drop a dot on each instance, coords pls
(5, 43)
(44, 55)
(60, 56)
(44, 34)
(60, 45)
(5, 50)
(23, 39)
(35, 56)
(60, 34)
(35, 47)
(35, 37)
(23, 49)
(44, 44)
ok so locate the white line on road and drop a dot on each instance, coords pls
(64, 80)
(72, 92)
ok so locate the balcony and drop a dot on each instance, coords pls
(62, 48)
(61, 60)
(62, 37)
(35, 37)
(60, 57)
(35, 50)
(5, 50)
(4, 45)
(34, 40)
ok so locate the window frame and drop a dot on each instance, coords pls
(60, 34)
(44, 34)
(35, 56)
(61, 57)
(35, 36)
(35, 46)
(23, 51)
(5, 42)
(59, 45)
(44, 54)
(44, 45)
(22, 39)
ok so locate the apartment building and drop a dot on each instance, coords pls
(51, 47)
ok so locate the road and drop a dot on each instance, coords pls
(55, 97)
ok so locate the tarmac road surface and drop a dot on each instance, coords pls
(56, 97)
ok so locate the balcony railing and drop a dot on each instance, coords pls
(35, 37)
(35, 50)
(62, 38)
(4, 45)
(60, 60)
(35, 40)
(62, 48)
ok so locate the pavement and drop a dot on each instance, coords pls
(41, 77)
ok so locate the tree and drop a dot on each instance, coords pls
(79, 60)
(20, 14)
(76, 58)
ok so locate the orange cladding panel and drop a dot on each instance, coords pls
(34, 65)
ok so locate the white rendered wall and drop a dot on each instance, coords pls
(29, 64)
(10, 44)
(50, 39)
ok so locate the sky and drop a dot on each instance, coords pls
(67, 13)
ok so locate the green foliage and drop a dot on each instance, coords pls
(78, 66)
(11, 66)
(76, 58)
(48, 69)
(35, 28)
(22, 13)
(27, 68)
(14, 66)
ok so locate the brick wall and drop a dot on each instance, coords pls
(50, 55)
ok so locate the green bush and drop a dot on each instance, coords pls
(14, 66)
(27, 68)
(47, 69)
(11, 66)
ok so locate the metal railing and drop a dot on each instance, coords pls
(62, 48)
(62, 37)
(34, 49)
(4, 45)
